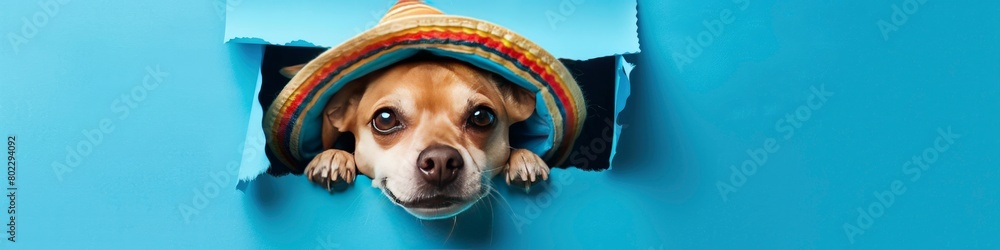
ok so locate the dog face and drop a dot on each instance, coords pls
(430, 133)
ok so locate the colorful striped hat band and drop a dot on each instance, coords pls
(293, 122)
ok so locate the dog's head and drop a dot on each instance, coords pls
(430, 132)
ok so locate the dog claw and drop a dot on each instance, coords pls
(507, 178)
(525, 167)
(331, 168)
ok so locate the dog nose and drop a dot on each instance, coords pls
(440, 164)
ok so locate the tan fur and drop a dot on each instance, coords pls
(433, 99)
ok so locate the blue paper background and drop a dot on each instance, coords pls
(559, 26)
(688, 122)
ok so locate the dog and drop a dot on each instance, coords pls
(431, 133)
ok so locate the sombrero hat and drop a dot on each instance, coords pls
(292, 124)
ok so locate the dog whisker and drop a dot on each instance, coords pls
(501, 198)
(492, 223)
(454, 222)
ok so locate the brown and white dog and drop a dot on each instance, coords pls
(430, 133)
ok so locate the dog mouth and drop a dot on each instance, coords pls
(433, 207)
(433, 202)
(437, 201)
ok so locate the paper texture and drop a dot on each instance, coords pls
(570, 29)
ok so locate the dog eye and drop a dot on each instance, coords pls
(482, 117)
(385, 121)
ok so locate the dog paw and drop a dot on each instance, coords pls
(525, 168)
(332, 168)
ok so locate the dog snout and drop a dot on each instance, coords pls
(440, 165)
